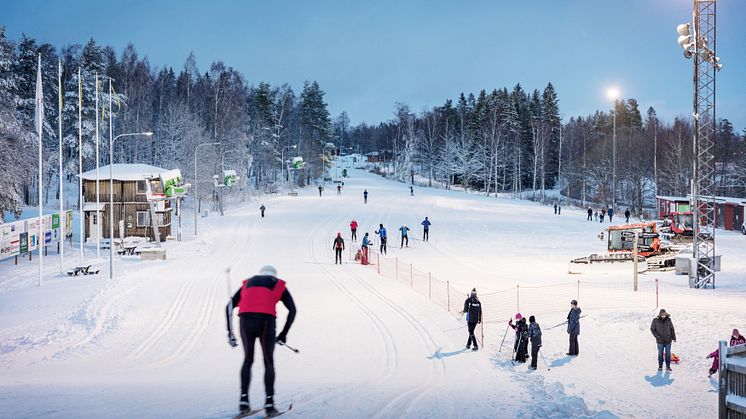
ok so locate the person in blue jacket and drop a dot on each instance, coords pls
(573, 327)
(426, 229)
(404, 236)
(382, 235)
(611, 214)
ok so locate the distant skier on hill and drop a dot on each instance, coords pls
(626, 216)
(365, 196)
(404, 236)
(473, 310)
(321, 188)
(262, 210)
(353, 229)
(366, 243)
(520, 347)
(426, 229)
(601, 215)
(411, 190)
(256, 301)
(339, 189)
(555, 208)
(590, 214)
(382, 236)
(338, 246)
(611, 214)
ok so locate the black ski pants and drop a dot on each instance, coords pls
(404, 239)
(472, 340)
(354, 234)
(425, 234)
(383, 245)
(573, 344)
(534, 355)
(337, 256)
(264, 329)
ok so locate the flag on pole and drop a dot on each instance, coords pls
(39, 114)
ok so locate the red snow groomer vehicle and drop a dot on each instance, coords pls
(681, 225)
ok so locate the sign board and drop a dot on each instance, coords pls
(20, 237)
(69, 224)
(23, 244)
(55, 221)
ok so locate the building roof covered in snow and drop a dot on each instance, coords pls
(124, 172)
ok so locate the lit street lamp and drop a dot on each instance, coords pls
(111, 193)
(613, 94)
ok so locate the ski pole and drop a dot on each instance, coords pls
(543, 359)
(503, 341)
(288, 346)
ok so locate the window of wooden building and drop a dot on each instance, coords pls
(142, 187)
(143, 218)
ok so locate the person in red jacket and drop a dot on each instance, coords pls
(256, 301)
(353, 229)
(736, 338)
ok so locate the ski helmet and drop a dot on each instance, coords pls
(518, 316)
(268, 270)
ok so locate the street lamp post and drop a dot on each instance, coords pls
(613, 93)
(196, 182)
(282, 161)
(111, 193)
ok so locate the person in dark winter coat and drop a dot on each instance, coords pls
(365, 196)
(736, 338)
(338, 246)
(611, 214)
(256, 301)
(534, 336)
(559, 209)
(601, 215)
(626, 216)
(590, 214)
(555, 208)
(473, 310)
(321, 188)
(520, 347)
(664, 333)
(382, 236)
(411, 190)
(426, 229)
(262, 210)
(339, 189)
(573, 327)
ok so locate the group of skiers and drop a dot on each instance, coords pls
(557, 209)
(600, 215)
(382, 233)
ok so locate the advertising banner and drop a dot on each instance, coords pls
(23, 243)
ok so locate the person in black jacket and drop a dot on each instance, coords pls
(520, 347)
(534, 336)
(256, 301)
(473, 310)
(573, 327)
(664, 333)
(338, 246)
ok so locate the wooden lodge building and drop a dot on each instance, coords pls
(131, 208)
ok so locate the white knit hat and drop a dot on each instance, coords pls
(268, 270)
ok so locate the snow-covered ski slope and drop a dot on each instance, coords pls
(152, 343)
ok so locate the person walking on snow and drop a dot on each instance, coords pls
(559, 209)
(365, 196)
(664, 333)
(426, 230)
(590, 214)
(382, 236)
(626, 216)
(339, 190)
(534, 336)
(320, 189)
(611, 214)
(262, 210)
(473, 310)
(404, 237)
(411, 190)
(366, 243)
(520, 347)
(353, 229)
(573, 327)
(601, 215)
(338, 246)
(555, 208)
(256, 301)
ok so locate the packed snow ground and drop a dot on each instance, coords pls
(152, 343)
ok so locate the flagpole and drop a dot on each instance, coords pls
(111, 191)
(39, 125)
(98, 214)
(80, 163)
(59, 135)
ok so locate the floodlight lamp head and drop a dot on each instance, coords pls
(685, 41)
(683, 29)
(147, 134)
(613, 93)
(688, 54)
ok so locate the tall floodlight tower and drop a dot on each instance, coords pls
(698, 40)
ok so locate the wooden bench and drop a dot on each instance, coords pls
(82, 270)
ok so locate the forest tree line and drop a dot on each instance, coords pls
(513, 141)
(183, 108)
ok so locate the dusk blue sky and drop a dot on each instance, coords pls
(368, 55)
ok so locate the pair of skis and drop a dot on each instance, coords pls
(256, 411)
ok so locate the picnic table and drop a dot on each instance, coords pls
(82, 270)
(127, 249)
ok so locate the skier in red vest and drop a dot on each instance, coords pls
(353, 229)
(256, 301)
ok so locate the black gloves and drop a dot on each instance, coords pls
(232, 340)
(282, 338)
